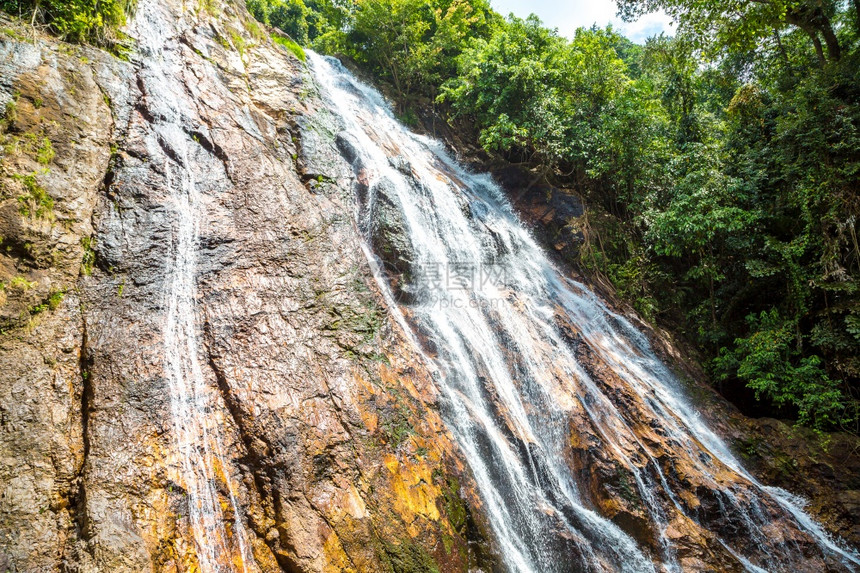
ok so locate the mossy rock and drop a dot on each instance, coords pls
(407, 557)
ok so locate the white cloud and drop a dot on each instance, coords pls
(647, 26)
(568, 15)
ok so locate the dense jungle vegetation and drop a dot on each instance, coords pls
(720, 166)
(94, 21)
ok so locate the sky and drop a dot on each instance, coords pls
(568, 15)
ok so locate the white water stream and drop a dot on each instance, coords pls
(193, 401)
(214, 518)
(510, 376)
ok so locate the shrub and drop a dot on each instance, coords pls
(296, 50)
(768, 360)
(74, 20)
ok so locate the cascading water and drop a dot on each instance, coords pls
(191, 399)
(506, 333)
(220, 545)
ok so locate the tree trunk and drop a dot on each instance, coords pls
(818, 50)
(816, 41)
(857, 16)
(33, 19)
(833, 48)
(813, 24)
(782, 49)
(711, 261)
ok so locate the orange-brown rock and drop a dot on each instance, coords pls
(331, 442)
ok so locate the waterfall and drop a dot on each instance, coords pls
(220, 544)
(529, 361)
(192, 400)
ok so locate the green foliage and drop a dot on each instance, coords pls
(289, 16)
(455, 507)
(20, 283)
(14, 34)
(52, 303)
(29, 143)
(36, 201)
(317, 22)
(45, 152)
(540, 98)
(769, 361)
(398, 431)
(238, 42)
(414, 45)
(515, 87)
(721, 27)
(254, 29)
(760, 212)
(211, 7)
(749, 447)
(11, 111)
(291, 46)
(74, 20)
(405, 556)
(88, 260)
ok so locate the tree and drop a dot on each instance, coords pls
(412, 44)
(538, 97)
(740, 24)
(289, 16)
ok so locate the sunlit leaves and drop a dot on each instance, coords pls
(74, 20)
(539, 96)
(411, 44)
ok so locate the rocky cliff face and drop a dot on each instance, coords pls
(330, 454)
(189, 328)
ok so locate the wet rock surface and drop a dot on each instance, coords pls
(824, 469)
(549, 211)
(55, 136)
(55, 132)
(330, 439)
(389, 236)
